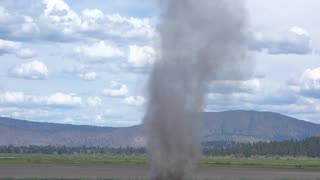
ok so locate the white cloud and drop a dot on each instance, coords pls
(69, 120)
(299, 31)
(309, 83)
(63, 99)
(90, 16)
(311, 78)
(4, 14)
(58, 21)
(28, 114)
(15, 48)
(116, 90)
(29, 26)
(55, 20)
(8, 46)
(95, 22)
(57, 8)
(26, 53)
(30, 70)
(99, 119)
(130, 26)
(15, 25)
(140, 56)
(296, 40)
(88, 76)
(34, 114)
(100, 51)
(135, 100)
(55, 100)
(94, 101)
(12, 97)
(232, 86)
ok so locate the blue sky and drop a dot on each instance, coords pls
(87, 62)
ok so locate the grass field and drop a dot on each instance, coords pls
(274, 162)
(83, 166)
(71, 159)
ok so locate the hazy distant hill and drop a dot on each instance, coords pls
(19, 132)
(241, 126)
(255, 126)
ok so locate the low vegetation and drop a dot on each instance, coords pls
(262, 161)
(71, 159)
(309, 147)
(258, 161)
(71, 150)
(290, 154)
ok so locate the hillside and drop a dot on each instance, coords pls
(243, 126)
(240, 126)
(19, 132)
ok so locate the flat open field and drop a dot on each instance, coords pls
(133, 167)
(271, 162)
(121, 171)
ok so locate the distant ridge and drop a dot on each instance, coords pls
(254, 126)
(239, 126)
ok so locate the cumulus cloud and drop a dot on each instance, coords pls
(96, 23)
(299, 31)
(92, 15)
(276, 101)
(12, 97)
(69, 120)
(234, 86)
(28, 27)
(86, 72)
(100, 51)
(307, 86)
(283, 96)
(26, 53)
(94, 101)
(8, 46)
(135, 100)
(309, 83)
(4, 15)
(30, 70)
(15, 48)
(262, 98)
(23, 113)
(63, 99)
(17, 26)
(57, 99)
(140, 56)
(88, 76)
(116, 89)
(57, 21)
(294, 41)
(99, 119)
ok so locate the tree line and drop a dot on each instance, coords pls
(35, 149)
(306, 147)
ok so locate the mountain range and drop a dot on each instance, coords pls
(238, 126)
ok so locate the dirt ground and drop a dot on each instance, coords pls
(141, 171)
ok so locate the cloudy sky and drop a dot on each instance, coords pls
(88, 61)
